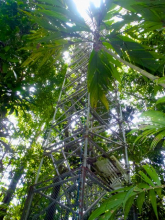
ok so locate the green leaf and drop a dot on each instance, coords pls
(53, 2)
(140, 201)
(128, 195)
(154, 116)
(156, 89)
(159, 192)
(109, 204)
(110, 215)
(5, 67)
(133, 131)
(152, 198)
(52, 14)
(99, 77)
(161, 100)
(143, 186)
(7, 48)
(158, 138)
(146, 179)
(128, 205)
(152, 173)
(161, 80)
(116, 74)
(92, 65)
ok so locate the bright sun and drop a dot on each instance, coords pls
(82, 5)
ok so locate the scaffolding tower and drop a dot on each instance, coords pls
(80, 146)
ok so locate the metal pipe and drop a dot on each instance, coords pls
(124, 138)
(81, 205)
(72, 105)
(69, 117)
(96, 201)
(68, 144)
(78, 92)
(56, 168)
(39, 169)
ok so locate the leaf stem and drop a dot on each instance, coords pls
(138, 69)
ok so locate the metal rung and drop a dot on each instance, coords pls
(66, 119)
(79, 67)
(77, 93)
(73, 81)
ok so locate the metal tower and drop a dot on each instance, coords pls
(79, 150)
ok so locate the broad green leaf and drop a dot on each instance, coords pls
(32, 59)
(124, 189)
(152, 198)
(140, 201)
(159, 192)
(143, 186)
(156, 89)
(99, 77)
(92, 65)
(133, 131)
(161, 100)
(128, 205)
(116, 74)
(161, 80)
(109, 204)
(158, 137)
(53, 2)
(145, 134)
(52, 37)
(152, 173)
(146, 179)
(5, 67)
(110, 10)
(110, 215)
(42, 22)
(52, 14)
(7, 48)
(154, 116)
(104, 100)
(128, 195)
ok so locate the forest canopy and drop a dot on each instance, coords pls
(127, 57)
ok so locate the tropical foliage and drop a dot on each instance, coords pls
(153, 125)
(124, 198)
(128, 39)
(116, 41)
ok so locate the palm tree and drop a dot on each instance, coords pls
(116, 42)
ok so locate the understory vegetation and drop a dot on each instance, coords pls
(128, 41)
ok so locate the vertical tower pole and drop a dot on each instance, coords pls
(124, 139)
(81, 201)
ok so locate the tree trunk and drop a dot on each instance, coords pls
(9, 193)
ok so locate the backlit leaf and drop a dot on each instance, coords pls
(140, 201)
(152, 198)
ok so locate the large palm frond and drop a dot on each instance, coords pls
(153, 126)
(116, 40)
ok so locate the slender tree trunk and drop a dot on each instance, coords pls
(9, 193)
(132, 66)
